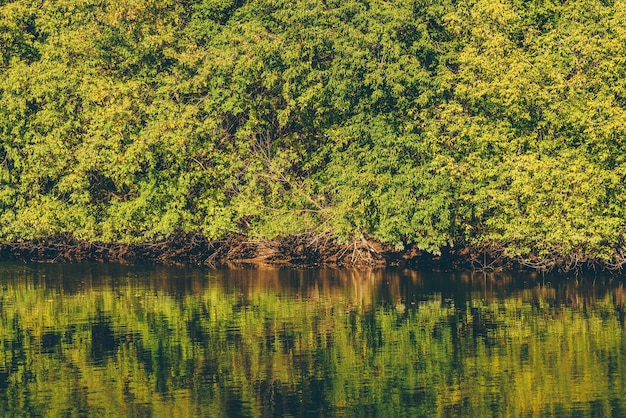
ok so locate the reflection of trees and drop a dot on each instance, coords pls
(275, 342)
(363, 287)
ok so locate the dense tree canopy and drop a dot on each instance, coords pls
(491, 124)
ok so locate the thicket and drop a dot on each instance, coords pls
(493, 125)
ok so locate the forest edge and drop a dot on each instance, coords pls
(304, 250)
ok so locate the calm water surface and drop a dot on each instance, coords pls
(97, 340)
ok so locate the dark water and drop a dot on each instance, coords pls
(93, 340)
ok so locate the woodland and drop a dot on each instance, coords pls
(490, 130)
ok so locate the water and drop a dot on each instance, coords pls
(97, 340)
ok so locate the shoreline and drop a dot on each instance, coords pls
(306, 250)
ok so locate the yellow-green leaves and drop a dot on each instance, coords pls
(430, 123)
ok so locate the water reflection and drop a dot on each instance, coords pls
(144, 340)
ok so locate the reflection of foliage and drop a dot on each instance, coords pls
(126, 348)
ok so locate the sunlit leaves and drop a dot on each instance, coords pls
(535, 126)
(429, 123)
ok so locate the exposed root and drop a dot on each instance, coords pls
(308, 249)
(361, 251)
(488, 259)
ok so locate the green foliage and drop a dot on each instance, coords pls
(535, 125)
(435, 123)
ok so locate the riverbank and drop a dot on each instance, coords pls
(253, 118)
(296, 250)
